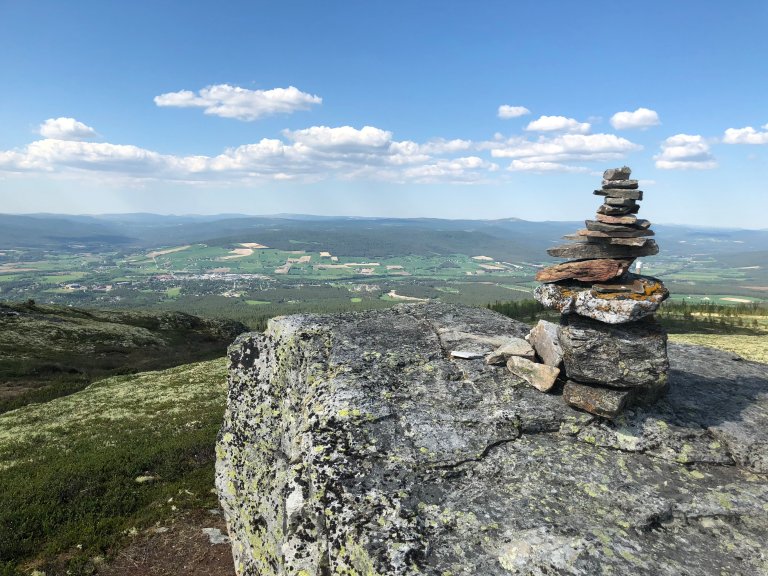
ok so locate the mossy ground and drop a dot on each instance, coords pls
(748, 346)
(68, 468)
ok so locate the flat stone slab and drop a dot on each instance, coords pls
(631, 184)
(620, 193)
(585, 270)
(617, 210)
(353, 444)
(593, 251)
(634, 233)
(597, 226)
(612, 308)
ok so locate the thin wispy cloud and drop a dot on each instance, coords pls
(240, 103)
(558, 124)
(685, 152)
(746, 135)
(640, 118)
(506, 111)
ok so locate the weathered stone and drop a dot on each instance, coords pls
(585, 270)
(630, 355)
(632, 233)
(543, 338)
(514, 347)
(620, 184)
(352, 444)
(626, 220)
(597, 400)
(618, 210)
(588, 251)
(597, 226)
(540, 376)
(611, 201)
(575, 298)
(620, 193)
(617, 173)
(465, 354)
(629, 241)
(634, 286)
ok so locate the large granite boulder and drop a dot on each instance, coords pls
(355, 444)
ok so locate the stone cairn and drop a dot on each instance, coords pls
(608, 348)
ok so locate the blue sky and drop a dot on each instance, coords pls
(490, 109)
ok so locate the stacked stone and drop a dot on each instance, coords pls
(614, 352)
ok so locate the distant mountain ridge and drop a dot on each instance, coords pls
(504, 238)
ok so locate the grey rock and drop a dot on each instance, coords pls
(613, 201)
(635, 233)
(575, 298)
(620, 193)
(624, 220)
(597, 400)
(618, 241)
(354, 444)
(543, 337)
(630, 184)
(622, 173)
(589, 251)
(618, 210)
(540, 376)
(598, 226)
(631, 355)
(514, 347)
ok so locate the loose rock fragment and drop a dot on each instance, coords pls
(617, 173)
(515, 347)
(544, 339)
(465, 354)
(540, 376)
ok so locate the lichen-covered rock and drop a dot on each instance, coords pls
(630, 355)
(611, 308)
(598, 400)
(354, 444)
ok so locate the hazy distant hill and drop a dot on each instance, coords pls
(371, 237)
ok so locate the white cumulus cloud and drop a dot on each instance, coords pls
(506, 111)
(746, 135)
(685, 151)
(343, 137)
(66, 129)
(240, 103)
(528, 166)
(640, 118)
(564, 147)
(558, 124)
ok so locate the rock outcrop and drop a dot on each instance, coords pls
(356, 444)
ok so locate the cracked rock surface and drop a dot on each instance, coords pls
(355, 444)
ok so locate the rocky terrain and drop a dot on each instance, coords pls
(47, 351)
(363, 444)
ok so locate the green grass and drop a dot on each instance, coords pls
(257, 302)
(68, 468)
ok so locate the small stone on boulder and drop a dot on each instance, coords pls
(515, 347)
(540, 376)
(543, 337)
(465, 354)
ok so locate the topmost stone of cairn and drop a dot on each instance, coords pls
(617, 173)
